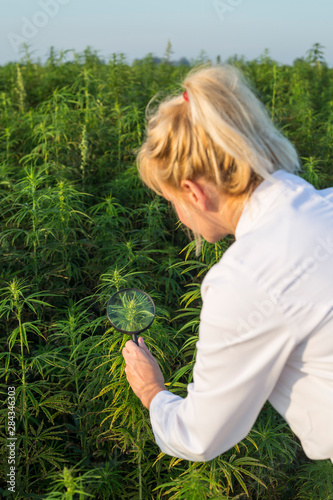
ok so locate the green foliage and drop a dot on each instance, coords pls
(77, 225)
(315, 480)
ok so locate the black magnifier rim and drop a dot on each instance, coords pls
(130, 332)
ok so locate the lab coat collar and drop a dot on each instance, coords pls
(262, 199)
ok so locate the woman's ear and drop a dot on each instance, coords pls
(194, 193)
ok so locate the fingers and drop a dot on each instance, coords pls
(131, 351)
(131, 346)
(143, 346)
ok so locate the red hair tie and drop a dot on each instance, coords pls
(185, 95)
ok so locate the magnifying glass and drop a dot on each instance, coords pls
(131, 311)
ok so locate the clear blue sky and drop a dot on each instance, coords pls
(288, 28)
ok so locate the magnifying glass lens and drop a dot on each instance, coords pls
(131, 311)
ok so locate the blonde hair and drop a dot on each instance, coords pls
(223, 134)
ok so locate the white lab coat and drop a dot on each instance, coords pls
(266, 330)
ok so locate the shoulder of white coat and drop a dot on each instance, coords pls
(235, 301)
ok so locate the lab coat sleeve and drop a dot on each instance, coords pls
(244, 344)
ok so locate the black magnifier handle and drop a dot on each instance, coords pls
(135, 338)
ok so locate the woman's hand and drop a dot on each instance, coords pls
(142, 371)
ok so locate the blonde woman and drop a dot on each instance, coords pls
(266, 325)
